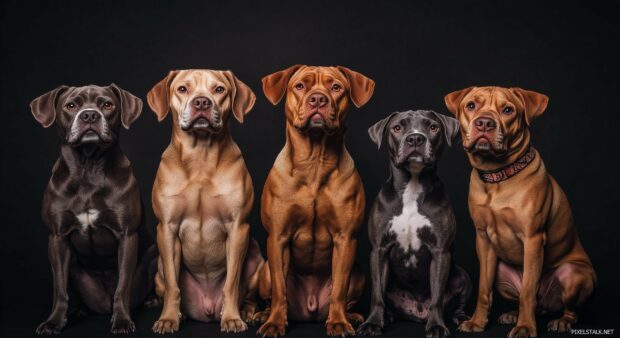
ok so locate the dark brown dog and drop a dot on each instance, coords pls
(525, 231)
(98, 243)
(313, 203)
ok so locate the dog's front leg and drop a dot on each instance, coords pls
(127, 261)
(278, 256)
(170, 252)
(59, 256)
(342, 264)
(488, 264)
(440, 268)
(236, 248)
(533, 250)
(379, 270)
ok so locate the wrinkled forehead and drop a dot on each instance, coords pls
(318, 74)
(498, 96)
(413, 119)
(89, 94)
(196, 77)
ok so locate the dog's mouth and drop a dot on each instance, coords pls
(413, 157)
(88, 135)
(202, 122)
(315, 122)
(483, 145)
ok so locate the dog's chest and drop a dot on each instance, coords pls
(407, 225)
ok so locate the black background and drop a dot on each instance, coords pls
(415, 51)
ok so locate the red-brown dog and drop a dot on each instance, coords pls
(313, 202)
(524, 224)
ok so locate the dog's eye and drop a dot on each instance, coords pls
(434, 128)
(182, 89)
(219, 89)
(336, 87)
(108, 105)
(70, 106)
(396, 128)
(471, 105)
(299, 86)
(507, 110)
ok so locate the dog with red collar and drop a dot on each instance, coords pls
(526, 240)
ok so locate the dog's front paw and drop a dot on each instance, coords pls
(561, 325)
(123, 326)
(437, 331)
(166, 325)
(339, 328)
(471, 326)
(369, 328)
(509, 317)
(247, 313)
(522, 331)
(232, 325)
(51, 326)
(260, 317)
(272, 328)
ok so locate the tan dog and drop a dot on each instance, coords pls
(202, 196)
(313, 203)
(525, 231)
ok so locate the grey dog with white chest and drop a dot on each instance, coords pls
(411, 227)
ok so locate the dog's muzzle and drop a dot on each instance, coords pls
(201, 115)
(89, 126)
(414, 148)
(485, 136)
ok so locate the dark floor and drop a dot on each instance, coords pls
(98, 326)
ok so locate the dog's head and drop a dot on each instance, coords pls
(494, 120)
(317, 98)
(87, 115)
(201, 100)
(415, 138)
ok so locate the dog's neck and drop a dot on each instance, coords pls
(89, 158)
(206, 148)
(400, 177)
(314, 150)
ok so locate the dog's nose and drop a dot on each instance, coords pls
(485, 124)
(90, 116)
(415, 139)
(317, 100)
(201, 103)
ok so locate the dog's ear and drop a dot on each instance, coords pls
(534, 103)
(377, 131)
(453, 100)
(157, 97)
(361, 86)
(131, 106)
(274, 85)
(43, 108)
(242, 97)
(450, 127)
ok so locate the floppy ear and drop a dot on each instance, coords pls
(241, 95)
(450, 127)
(361, 86)
(274, 85)
(453, 100)
(131, 106)
(158, 98)
(535, 103)
(43, 108)
(377, 131)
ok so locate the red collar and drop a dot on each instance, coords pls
(506, 172)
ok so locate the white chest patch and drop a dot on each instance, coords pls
(406, 225)
(87, 218)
